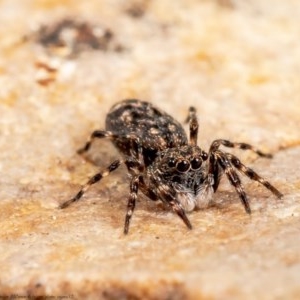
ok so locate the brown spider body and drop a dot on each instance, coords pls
(152, 129)
(164, 165)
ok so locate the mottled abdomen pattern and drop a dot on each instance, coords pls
(155, 129)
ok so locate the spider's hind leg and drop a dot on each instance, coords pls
(96, 134)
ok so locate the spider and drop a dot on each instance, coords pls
(164, 165)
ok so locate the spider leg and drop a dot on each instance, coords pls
(181, 213)
(165, 194)
(96, 134)
(194, 125)
(135, 166)
(149, 192)
(253, 175)
(217, 143)
(134, 147)
(233, 178)
(214, 171)
(134, 183)
(97, 177)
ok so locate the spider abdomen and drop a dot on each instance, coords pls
(135, 120)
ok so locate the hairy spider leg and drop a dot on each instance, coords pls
(96, 178)
(217, 143)
(214, 172)
(136, 169)
(166, 196)
(147, 191)
(194, 125)
(252, 174)
(181, 213)
(134, 184)
(136, 150)
(215, 146)
(96, 134)
(134, 164)
(233, 177)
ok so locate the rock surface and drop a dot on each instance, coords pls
(237, 63)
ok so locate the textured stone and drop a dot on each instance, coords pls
(237, 63)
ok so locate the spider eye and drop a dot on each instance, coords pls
(172, 163)
(196, 163)
(204, 156)
(182, 166)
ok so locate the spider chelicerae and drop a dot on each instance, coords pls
(164, 165)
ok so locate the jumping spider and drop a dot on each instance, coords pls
(164, 165)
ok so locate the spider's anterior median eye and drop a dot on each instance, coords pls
(196, 163)
(182, 166)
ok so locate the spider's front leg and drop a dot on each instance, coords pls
(178, 209)
(253, 175)
(217, 143)
(218, 170)
(164, 193)
(228, 163)
(222, 160)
